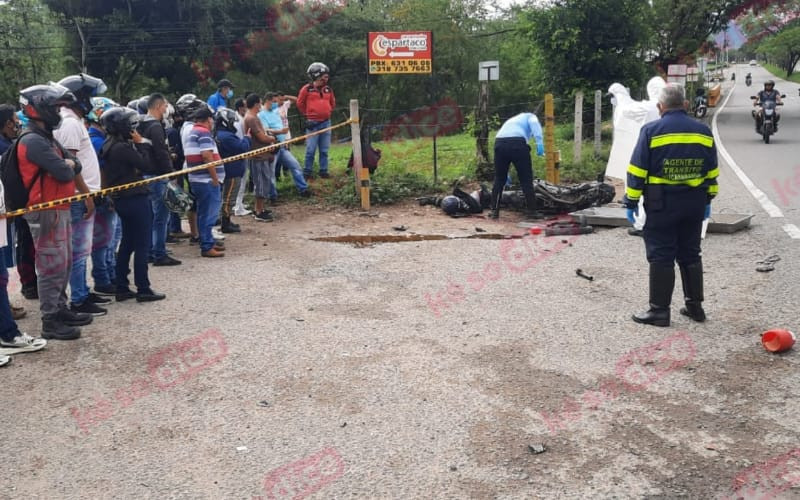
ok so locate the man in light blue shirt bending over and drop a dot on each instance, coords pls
(511, 146)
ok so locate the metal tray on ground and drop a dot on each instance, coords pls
(615, 217)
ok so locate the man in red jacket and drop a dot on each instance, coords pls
(316, 102)
(50, 173)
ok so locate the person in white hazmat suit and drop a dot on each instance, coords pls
(629, 117)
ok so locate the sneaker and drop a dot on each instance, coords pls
(264, 217)
(96, 299)
(241, 212)
(126, 294)
(4, 360)
(167, 261)
(149, 296)
(324, 175)
(72, 318)
(213, 253)
(217, 234)
(53, 328)
(88, 308)
(21, 343)
(193, 240)
(107, 290)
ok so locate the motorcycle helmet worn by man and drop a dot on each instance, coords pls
(42, 102)
(317, 70)
(120, 122)
(225, 119)
(99, 106)
(188, 104)
(84, 87)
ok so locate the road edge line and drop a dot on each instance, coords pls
(768, 206)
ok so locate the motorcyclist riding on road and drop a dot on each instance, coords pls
(768, 94)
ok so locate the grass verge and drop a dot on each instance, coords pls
(781, 73)
(406, 167)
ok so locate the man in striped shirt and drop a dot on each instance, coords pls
(200, 148)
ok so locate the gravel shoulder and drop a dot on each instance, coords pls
(300, 368)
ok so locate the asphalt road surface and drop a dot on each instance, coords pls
(773, 168)
(458, 368)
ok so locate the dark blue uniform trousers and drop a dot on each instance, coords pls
(674, 223)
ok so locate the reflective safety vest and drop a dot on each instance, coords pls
(676, 152)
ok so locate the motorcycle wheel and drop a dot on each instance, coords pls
(700, 112)
(766, 135)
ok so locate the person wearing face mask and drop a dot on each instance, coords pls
(219, 99)
(10, 126)
(273, 123)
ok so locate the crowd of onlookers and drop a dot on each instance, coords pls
(66, 139)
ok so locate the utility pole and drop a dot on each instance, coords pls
(83, 47)
(485, 170)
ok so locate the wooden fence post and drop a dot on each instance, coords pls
(598, 103)
(550, 153)
(578, 139)
(361, 174)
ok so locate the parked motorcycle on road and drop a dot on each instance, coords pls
(765, 117)
(748, 80)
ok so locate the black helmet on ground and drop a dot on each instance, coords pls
(225, 119)
(42, 103)
(84, 87)
(120, 122)
(316, 70)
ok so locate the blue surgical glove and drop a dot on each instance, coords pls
(708, 211)
(540, 149)
(630, 212)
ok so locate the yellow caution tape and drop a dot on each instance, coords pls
(122, 187)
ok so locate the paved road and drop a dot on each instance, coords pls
(773, 168)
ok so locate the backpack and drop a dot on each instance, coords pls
(16, 192)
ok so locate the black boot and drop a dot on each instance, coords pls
(54, 328)
(692, 278)
(494, 212)
(530, 206)
(230, 227)
(662, 281)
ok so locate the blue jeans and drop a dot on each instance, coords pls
(287, 160)
(160, 220)
(8, 327)
(136, 218)
(82, 238)
(321, 141)
(209, 200)
(175, 223)
(103, 247)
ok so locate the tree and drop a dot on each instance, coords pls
(32, 48)
(681, 27)
(587, 44)
(140, 46)
(784, 48)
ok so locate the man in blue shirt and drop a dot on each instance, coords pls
(273, 124)
(511, 146)
(219, 99)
